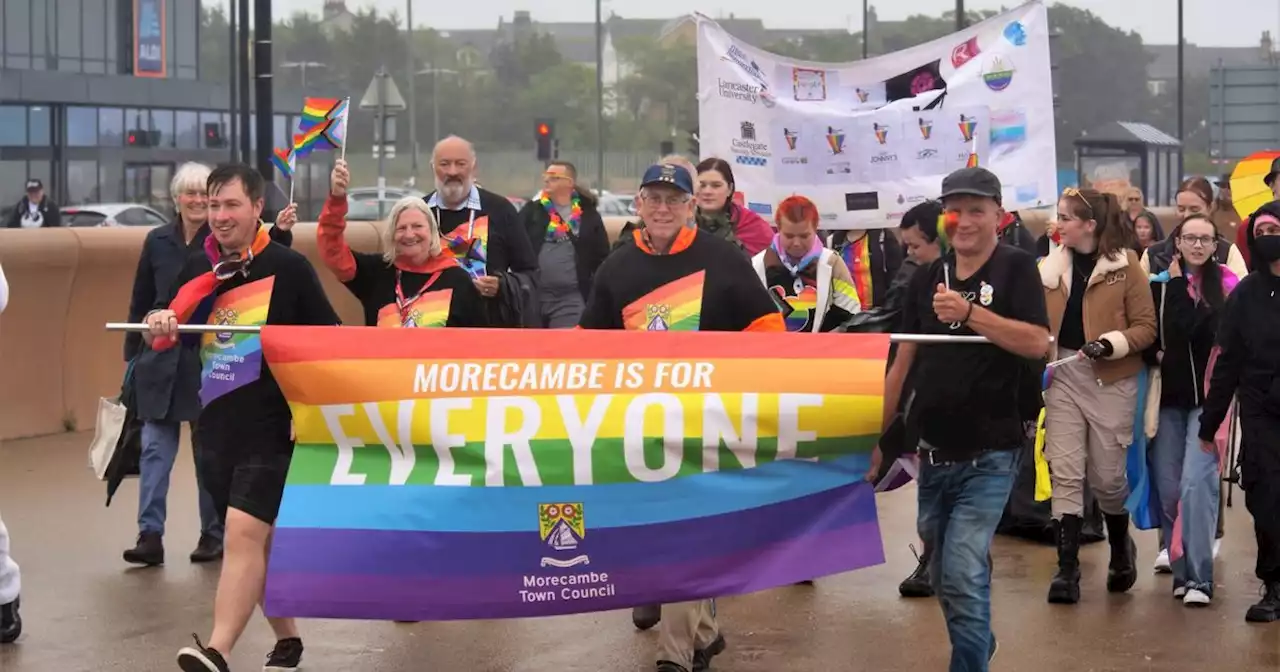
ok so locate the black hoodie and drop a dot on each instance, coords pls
(1248, 365)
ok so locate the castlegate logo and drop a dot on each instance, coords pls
(791, 136)
(747, 146)
(926, 128)
(745, 92)
(967, 126)
(882, 132)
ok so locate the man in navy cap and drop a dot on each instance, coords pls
(671, 260)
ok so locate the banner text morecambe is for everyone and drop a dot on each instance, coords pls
(509, 393)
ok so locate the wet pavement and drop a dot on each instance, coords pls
(85, 610)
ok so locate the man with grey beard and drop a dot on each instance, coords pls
(482, 231)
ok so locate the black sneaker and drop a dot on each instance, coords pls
(148, 552)
(702, 657)
(201, 659)
(10, 622)
(286, 657)
(1268, 610)
(668, 666)
(209, 549)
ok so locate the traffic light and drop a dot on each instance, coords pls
(137, 137)
(213, 136)
(544, 131)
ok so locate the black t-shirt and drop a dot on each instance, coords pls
(966, 394)
(1071, 335)
(704, 284)
(451, 301)
(244, 408)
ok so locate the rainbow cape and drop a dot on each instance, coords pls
(590, 472)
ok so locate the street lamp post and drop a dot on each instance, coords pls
(1181, 90)
(303, 66)
(961, 23)
(413, 91)
(599, 97)
(435, 97)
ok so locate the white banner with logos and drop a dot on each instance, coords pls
(868, 140)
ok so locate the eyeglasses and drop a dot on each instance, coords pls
(1198, 241)
(655, 200)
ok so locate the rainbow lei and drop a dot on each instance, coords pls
(557, 228)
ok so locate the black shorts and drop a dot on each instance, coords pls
(249, 477)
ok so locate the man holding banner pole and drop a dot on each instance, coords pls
(677, 279)
(242, 278)
(964, 404)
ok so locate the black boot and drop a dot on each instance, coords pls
(149, 551)
(1266, 611)
(10, 622)
(647, 616)
(917, 585)
(208, 549)
(1065, 588)
(1123, 571)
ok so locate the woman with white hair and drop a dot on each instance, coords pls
(167, 383)
(414, 282)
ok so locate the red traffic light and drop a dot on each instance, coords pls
(133, 139)
(544, 129)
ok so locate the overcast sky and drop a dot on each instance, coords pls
(1208, 22)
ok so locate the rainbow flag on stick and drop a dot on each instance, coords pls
(316, 111)
(313, 139)
(638, 469)
(285, 161)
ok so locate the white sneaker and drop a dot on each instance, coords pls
(1217, 548)
(1162, 565)
(1196, 598)
(1179, 592)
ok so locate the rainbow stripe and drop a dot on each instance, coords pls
(316, 111)
(230, 361)
(470, 248)
(675, 306)
(845, 296)
(857, 256)
(802, 307)
(284, 161)
(429, 311)
(411, 499)
(315, 138)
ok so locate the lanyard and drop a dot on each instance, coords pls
(404, 305)
(471, 221)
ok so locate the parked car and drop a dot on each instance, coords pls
(112, 214)
(362, 202)
(613, 205)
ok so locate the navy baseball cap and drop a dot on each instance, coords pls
(667, 174)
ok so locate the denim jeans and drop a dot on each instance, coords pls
(159, 451)
(960, 505)
(1187, 475)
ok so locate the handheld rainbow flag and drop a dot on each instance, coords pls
(285, 161)
(316, 111)
(458, 486)
(314, 139)
(973, 153)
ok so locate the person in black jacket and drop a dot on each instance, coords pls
(1012, 232)
(35, 210)
(482, 229)
(167, 382)
(570, 242)
(1246, 366)
(1189, 298)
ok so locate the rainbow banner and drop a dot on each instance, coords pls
(589, 472)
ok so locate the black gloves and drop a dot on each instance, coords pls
(1097, 349)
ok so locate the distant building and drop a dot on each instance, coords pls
(102, 99)
(336, 17)
(1162, 71)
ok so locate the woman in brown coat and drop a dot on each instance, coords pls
(1100, 308)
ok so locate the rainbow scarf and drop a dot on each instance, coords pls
(192, 301)
(815, 251)
(558, 229)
